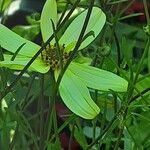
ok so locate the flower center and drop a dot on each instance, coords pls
(51, 57)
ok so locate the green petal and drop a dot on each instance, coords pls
(77, 97)
(49, 12)
(12, 41)
(96, 23)
(99, 79)
(20, 62)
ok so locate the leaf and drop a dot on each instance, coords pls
(98, 79)
(28, 32)
(54, 146)
(4, 4)
(49, 12)
(77, 97)
(20, 62)
(96, 23)
(88, 131)
(128, 141)
(143, 83)
(11, 42)
(1, 54)
(80, 137)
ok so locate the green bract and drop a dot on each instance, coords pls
(73, 87)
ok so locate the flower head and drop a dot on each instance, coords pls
(73, 87)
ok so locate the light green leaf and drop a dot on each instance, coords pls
(80, 137)
(99, 79)
(49, 12)
(77, 97)
(21, 61)
(96, 23)
(11, 42)
(88, 131)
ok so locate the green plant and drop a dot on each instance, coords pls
(73, 88)
(95, 62)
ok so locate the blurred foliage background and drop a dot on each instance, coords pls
(120, 45)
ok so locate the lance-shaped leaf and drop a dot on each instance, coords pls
(12, 41)
(49, 13)
(95, 24)
(99, 79)
(20, 62)
(77, 97)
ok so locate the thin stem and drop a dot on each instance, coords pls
(116, 147)
(47, 127)
(103, 120)
(94, 129)
(118, 51)
(41, 106)
(138, 95)
(104, 131)
(28, 92)
(63, 14)
(71, 136)
(81, 36)
(71, 118)
(55, 122)
(17, 51)
(142, 60)
(58, 51)
(146, 12)
(125, 9)
(1, 54)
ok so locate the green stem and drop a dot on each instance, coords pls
(41, 108)
(79, 41)
(71, 136)
(94, 129)
(47, 127)
(70, 119)
(63, 14)
(26, 99)
(131, 90)
(146, 12)
(104, 131)
(138, 95)
(55, 122)
(17, 51)
(142, 60)
(118, 51)
(1, 54)
(116, 147)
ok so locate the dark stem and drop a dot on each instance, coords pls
(41, 108)
(118, 51)
(71, 137)
(139, 95)
(81, 36)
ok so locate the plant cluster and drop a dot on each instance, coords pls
(82, 57)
